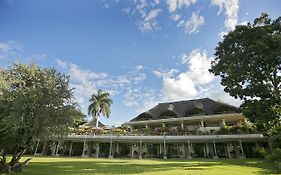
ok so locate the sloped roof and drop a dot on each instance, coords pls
(92, 123)
(181, 108)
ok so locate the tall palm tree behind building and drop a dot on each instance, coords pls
(99, 104)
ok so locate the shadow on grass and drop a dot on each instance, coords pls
(119, 166)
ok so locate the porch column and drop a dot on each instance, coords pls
(70, 148)
(163, 125)
(223, 122)
(189, 150)
(242, 151)
(38, 142)
(207, 149)
(97, 148)
(228, 149)
(165, 150)
(132, 151)
(89, 149)
(57, 149)
(53, 149)
(182, 126)
(110, 149)
(85, 148)
(215, 150)
(140, 150)
(182, 148)
(146, 126)
(204, 151)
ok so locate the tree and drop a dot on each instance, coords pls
(35, 103)
(99, 104)
(248, 60)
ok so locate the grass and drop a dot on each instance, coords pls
(92, 166)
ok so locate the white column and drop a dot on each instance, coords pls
(223, 122)
(165, 150)
(215, 150)
(207, 149)
(70, 148)
(146, 126)
(85, 148)
(182, 126)
(189, 150)
(140, 150)
(38, 142)
(163, 125)
(228, 149)
(53, 148)
(57, 149)
(132, 151)
(110, 149)
(97, 148)
(242, 150)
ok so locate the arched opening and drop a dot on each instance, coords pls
(195, 111)
(225, 110)
(168, 114)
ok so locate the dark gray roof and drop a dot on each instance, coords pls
(203, 106)
(92, 123)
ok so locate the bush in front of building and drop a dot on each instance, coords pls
(261, 152)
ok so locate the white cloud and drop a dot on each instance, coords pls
(165, 74)
(175, 17)
(149, 22)
(198, 66)
(230, 8)
(173, 5)
(192, 24)
(187, 84)
(86, 82)
(181, 87)
(8, 48)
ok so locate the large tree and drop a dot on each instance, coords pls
(248, 60)
(35, 103)
(99, 104)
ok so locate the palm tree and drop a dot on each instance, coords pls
(99, 104)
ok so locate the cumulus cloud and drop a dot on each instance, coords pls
(198, 66)
(187, 84)
(173, 5)
(178, 88)
(230, 9)
(192, 24)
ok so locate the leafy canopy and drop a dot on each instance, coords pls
(35, 103)
(99, 104)
(248, 61)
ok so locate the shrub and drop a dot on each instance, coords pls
(261, 152)
(275, 156)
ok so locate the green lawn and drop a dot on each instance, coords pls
(92, 166)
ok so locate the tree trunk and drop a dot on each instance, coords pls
(97, 121)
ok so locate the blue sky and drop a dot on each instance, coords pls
(142, 51)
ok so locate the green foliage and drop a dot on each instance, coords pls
(99, 104)
(261, 152)
(35, 103)
(248, 61)
(275, 156)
